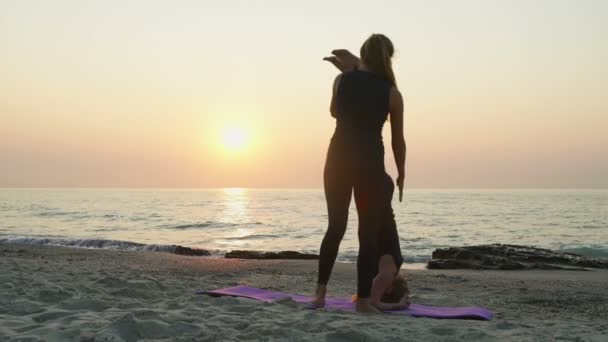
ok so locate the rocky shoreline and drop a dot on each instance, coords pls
(284, 255)
(479, 257)
(510, 257)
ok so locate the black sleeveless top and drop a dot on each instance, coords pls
(362, 105)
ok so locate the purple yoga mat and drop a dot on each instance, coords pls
(345, 304)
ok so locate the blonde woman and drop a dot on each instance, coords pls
(364, 95)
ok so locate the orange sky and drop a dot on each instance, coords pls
(142, 93)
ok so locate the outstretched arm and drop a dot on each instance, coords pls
(343, 59)
(403, 304)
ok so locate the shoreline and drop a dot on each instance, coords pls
(124, 245)
(52, 292)
(415, 262)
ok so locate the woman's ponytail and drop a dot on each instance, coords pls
(376, 53)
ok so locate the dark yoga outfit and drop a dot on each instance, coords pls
(388, 237)
(355, 161)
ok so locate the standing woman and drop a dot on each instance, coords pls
(362, 100)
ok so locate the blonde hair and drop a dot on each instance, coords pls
(376, 53)
(399, 290)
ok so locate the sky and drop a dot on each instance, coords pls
(498, 94)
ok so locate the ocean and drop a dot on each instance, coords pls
(221, 220)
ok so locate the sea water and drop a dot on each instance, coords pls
(221, 220)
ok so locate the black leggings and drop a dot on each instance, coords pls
(373, 190)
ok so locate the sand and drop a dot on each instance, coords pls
(50, 293)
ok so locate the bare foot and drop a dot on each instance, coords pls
(318, 302)
(364, 306)
(319, 299)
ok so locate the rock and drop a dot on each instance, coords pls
(190, 251)
(177, 249)
(509, 257)
(269, 255)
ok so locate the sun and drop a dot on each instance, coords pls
(235, 138)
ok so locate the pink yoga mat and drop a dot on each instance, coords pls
(345, 304)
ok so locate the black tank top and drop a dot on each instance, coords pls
(362, 103)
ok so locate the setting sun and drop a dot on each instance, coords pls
(235, 138)
(452, 149)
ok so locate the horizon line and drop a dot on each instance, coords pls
(288, 188)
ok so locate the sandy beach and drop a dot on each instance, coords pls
(50, 293)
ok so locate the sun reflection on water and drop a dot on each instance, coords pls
(236, 210)
(235, 205)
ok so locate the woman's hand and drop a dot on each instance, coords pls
(400, 183)
(343, 59)
(405, 301)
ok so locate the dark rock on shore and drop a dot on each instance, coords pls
(190, 251)
(269, 255)
(509, 257)
(177, 249)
